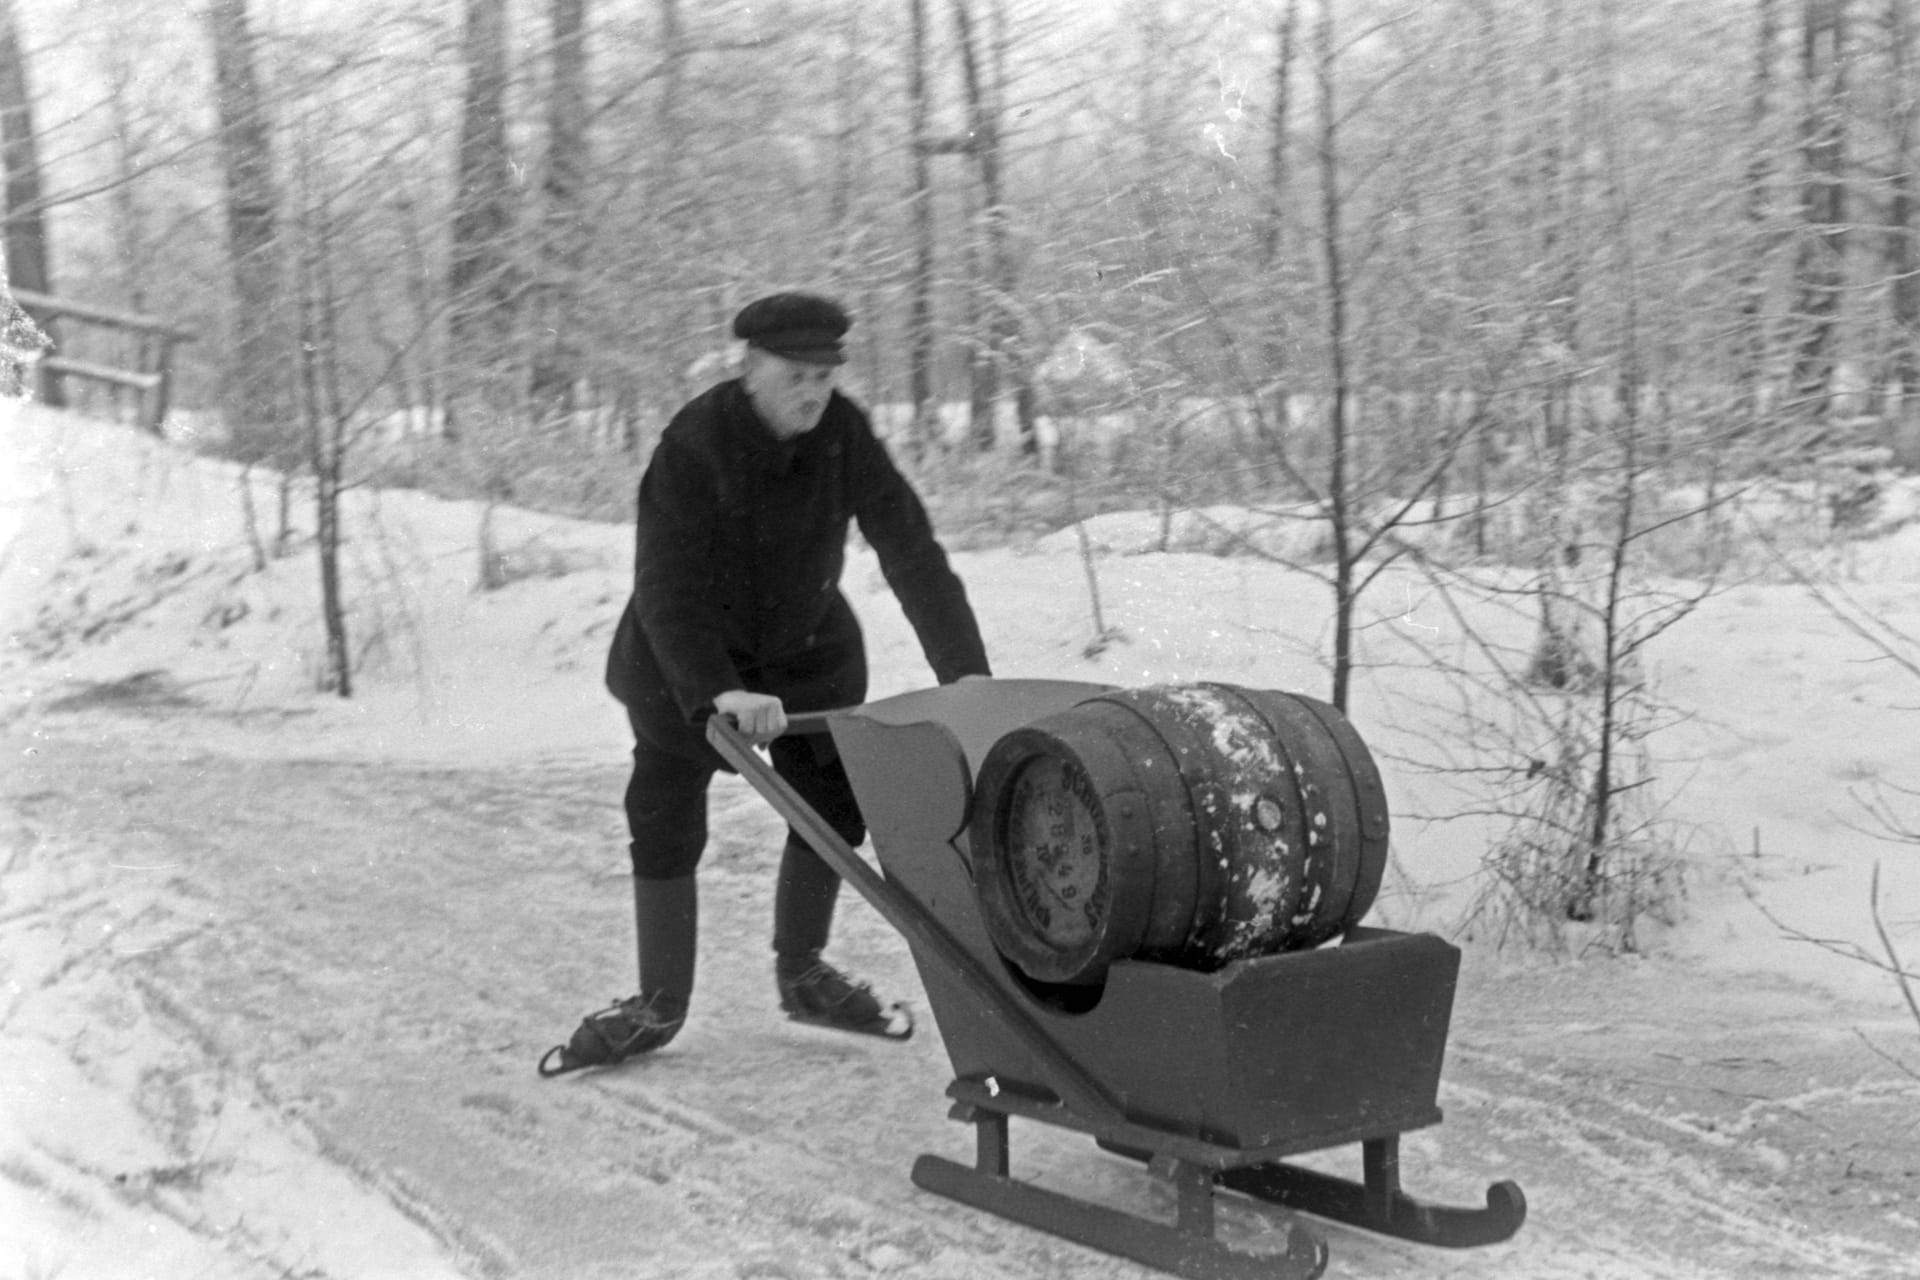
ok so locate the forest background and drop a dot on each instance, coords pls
(1578, 307)
(529, 224)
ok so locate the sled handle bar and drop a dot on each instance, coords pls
(808, 722)
(1077, 1088)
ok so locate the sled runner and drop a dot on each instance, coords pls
(1212, 1072)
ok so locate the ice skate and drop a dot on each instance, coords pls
(814, 992)
(626, 1028)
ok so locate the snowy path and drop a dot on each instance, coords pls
(303, 971)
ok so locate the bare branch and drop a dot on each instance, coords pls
(1894, 964)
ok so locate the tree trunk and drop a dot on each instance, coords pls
(26, 232)
(920, 348)
(1753, 357)
(1903, 231)
(556, 362)
(849, 81)
(425, 387)
(484, 292)
(1017, 362)
(480, 272)
(130, 223)
(1338, 377)
(984, 247)
(1481, 258)
(255, 393)
(321, 411)
(1561, 656)
(1600, 832)
(1614, 646)
(982, 371)
(683, 278)
(1273, 222)
(1559, 217)
(1821, 265)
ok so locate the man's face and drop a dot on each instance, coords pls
(789, 395)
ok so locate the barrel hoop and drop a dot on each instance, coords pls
(1370, 794)
(1267, 895)
(1210, 930)
(1162, 825)
(1333, 840)
(1255, 798)
(1133, 849)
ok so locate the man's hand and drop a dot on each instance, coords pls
(758, 715)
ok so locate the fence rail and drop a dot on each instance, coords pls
(150, 379)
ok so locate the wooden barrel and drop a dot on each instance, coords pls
(1190, 824)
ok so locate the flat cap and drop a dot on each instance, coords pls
(798, 326)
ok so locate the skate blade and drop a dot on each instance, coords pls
(558, 1062)
(894, 1023)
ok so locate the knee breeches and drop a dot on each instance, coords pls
(667, 801)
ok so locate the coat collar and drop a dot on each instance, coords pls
(754, 442)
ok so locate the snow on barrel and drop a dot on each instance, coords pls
(1194, 825)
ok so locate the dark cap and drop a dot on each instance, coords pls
(798, 326)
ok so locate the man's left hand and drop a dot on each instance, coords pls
(759, 715)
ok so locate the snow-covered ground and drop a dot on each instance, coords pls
(276, 965)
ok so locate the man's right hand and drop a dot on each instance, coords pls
(758, 715)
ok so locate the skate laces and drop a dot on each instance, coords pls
(809, 984)
(638, 1023)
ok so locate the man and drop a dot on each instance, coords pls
(736, 610)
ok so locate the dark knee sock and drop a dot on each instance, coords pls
(666, 917)
(803, 900)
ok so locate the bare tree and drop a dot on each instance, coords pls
(1274, 217)
(996, 353)
(674, 193)
(26, 229)
(483, 285)
(131, 234)
(1362, 498)
(325, 420)
(1820, 268)
(564, 231)
(1752, 359)
(920, 344)
(256, 395)
(481, 282)
(1362, 542)
(1339, 386)
(1580, 847)
(1903, 219)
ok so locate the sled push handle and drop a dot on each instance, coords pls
(1077, 1089)
(803, 723)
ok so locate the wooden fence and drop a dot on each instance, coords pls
(149, 379)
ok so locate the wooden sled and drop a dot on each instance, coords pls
(1211, 1079)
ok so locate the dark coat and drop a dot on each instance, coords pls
(740, 540)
